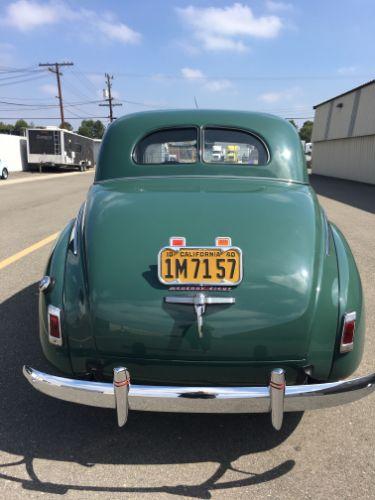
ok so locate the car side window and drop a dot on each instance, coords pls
(230, 146)
(168, 146)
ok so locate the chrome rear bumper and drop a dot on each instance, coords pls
(277, 398)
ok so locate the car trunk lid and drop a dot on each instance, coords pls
(275, 224)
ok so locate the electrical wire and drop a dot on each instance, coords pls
(29, 79)
(239, 77)
(80, 77)
(10, 69)
(73, 89)
(139, 104)
(74, 114)
(53, 118)
(51, 105)
(17, 77)
(27, 98)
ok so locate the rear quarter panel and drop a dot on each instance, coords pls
(350, 299)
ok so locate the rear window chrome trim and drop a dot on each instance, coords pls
(164, 129)
(200, 129)
(235, 129)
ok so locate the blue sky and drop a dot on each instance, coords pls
(275, 56)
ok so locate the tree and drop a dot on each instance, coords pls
(6, 128)
(292, 122)
(91, 128)
(306, 131)
(66, 126)
(20, 126)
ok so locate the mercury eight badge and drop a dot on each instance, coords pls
(201, 275)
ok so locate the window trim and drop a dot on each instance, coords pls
(163, 129)
(234, 129)
(200, 129)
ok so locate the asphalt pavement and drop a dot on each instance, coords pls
(49, 448)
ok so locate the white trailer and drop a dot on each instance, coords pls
(53, 146)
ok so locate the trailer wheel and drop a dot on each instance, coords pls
(4, 174)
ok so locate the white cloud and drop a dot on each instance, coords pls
(116, 94)
(49, 89)
(218, 85)
(213, 42)
(271, 97)
(192, 74)
(27, 15)
(214, 85)
(278, 6)
(347, 70)
(119, 32)
(216, 28)
(282, 95)
(96, 78)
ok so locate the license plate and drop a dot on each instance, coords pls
(200, 266)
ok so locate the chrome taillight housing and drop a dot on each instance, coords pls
(54, 325)
(348, 331)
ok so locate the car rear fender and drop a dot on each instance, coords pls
(350, 299)
(57, 355)
(325, 316)
(77, 326)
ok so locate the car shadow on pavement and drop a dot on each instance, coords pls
(34, 426)
(355, 194)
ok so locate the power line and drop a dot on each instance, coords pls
(41, 106)
(9, 69)
(239, 77)
(86, 83)
(76, 91)
(74, 114)
(52, 118)
(26, 98)
(143, 104)
(55, 68)
(17, 76)
(24, 80)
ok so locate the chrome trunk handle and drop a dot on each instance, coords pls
(199, 301)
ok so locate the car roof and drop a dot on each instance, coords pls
(286, 157)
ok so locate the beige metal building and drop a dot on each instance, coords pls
(344, 135)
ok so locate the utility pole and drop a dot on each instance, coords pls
(108, 97)
(55, 68)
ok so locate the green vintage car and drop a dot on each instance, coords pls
(190, 284)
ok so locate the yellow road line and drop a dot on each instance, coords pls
(26, 251)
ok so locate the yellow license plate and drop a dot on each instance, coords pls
(200, 266)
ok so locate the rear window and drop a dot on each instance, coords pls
(169, 146)
(233, 146)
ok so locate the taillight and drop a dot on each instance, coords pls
(177, 241)
(348, 331)
(223, 241)
(54, 325)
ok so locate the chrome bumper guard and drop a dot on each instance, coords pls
(277, 398)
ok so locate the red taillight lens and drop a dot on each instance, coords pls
(177, 241)
(54, 325)
(348, 331)
(223, 241)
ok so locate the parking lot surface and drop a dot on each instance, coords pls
(49, 448)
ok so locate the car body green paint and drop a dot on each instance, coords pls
(289, 305)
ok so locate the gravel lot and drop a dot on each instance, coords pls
(49, 448)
